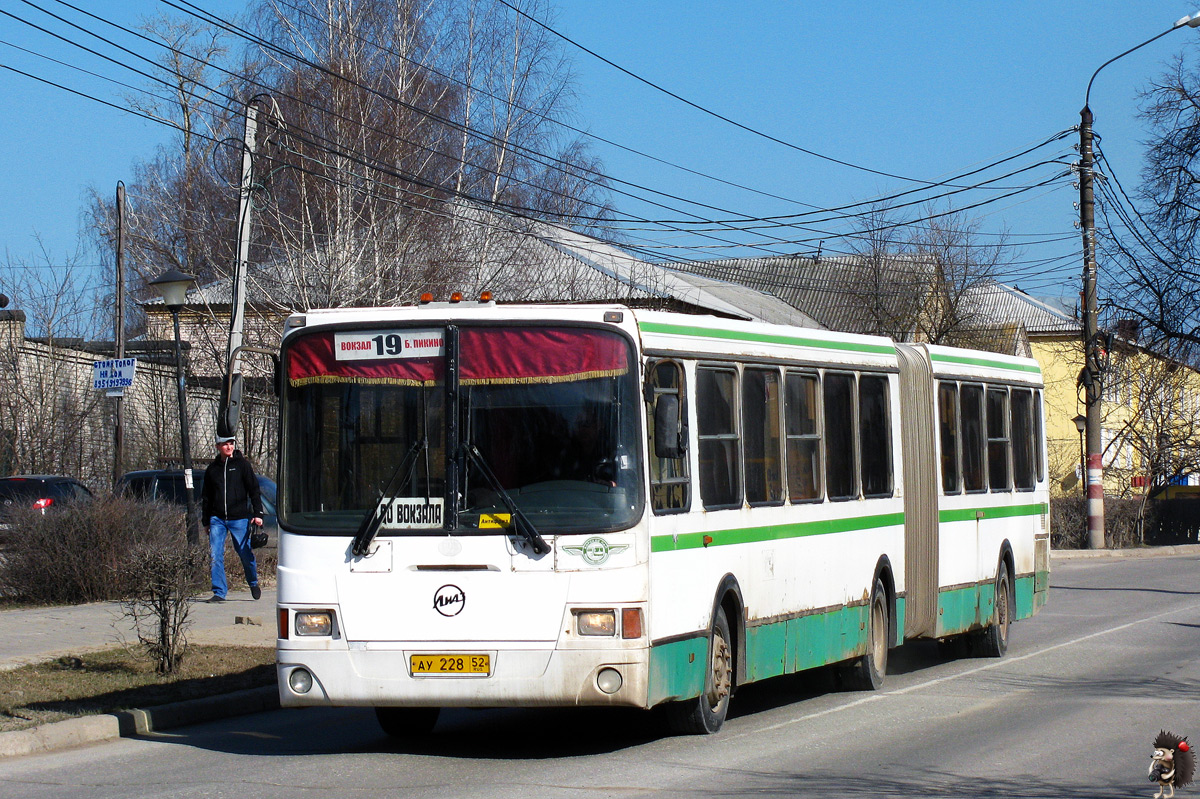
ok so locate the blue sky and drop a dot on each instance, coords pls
(921, 90)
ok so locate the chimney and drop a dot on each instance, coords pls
(12, 328)
(1129, 329)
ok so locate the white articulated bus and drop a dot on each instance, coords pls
(525, 505)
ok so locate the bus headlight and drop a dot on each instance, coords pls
(300, 680)
(314, 622)
(596, 622)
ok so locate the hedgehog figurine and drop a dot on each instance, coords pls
(1172, 763)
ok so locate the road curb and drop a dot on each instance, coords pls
(1135, 552)
(139, 721)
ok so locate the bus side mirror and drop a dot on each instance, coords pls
(668, 427)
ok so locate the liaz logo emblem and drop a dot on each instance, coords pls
(449, 600)
(596, 550)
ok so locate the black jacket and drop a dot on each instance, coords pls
(231, 489)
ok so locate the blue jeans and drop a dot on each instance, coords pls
(239, 530)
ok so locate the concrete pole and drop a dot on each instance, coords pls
(1091, 376)
(119, 339)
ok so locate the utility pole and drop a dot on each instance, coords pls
(231, 392)
(119, 338)
(1092, 375)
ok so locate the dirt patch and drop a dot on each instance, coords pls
(114, 679)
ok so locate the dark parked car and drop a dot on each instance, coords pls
(166, 485)
(39, 492)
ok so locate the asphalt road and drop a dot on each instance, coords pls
(1070, 712)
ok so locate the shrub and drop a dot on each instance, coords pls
(1122, 525)
(79, 552)
(162, 580)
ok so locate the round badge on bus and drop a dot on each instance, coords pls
(449, 600)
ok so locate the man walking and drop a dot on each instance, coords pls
(231, 502)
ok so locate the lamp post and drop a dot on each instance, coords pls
(173, 285)
(1092, 374)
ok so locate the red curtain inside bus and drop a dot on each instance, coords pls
(489, 356)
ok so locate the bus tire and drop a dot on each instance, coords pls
(407, 722)
(867, 672)
(993, 639)
(705, 714)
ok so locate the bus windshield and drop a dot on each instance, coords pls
(544, 418)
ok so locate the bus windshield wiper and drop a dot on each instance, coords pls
(374, 517)
(521, 524)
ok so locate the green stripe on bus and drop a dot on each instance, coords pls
(775, 532)
(765, 338)
(1016, 367)
(994, 512)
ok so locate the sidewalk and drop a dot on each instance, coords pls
(39, 634)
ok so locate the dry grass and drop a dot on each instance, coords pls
(114, 679)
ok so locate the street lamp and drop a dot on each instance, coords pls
(173, 285)
(1091, 375)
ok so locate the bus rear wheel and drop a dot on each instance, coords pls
(705, 714)
(407, 722)
(993, 639)
(866, 673)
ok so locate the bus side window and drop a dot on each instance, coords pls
(720, 456)
(840, 471)
(874, 436)
(998, 442)
(761, 439)
(948, 435)
(670, 485)
(1038, 452)
(974, 464)
(1024, 467)
(803, 437)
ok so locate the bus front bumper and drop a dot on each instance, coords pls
(383, 676)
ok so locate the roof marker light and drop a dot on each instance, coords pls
(426, 297)
(485, 296)
(456, 296)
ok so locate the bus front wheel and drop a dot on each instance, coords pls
(407, 722)
(705, 714)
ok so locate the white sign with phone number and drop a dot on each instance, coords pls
(388, 344)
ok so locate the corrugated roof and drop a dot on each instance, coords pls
(533, 261)
(999, 304)
(846, 293)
